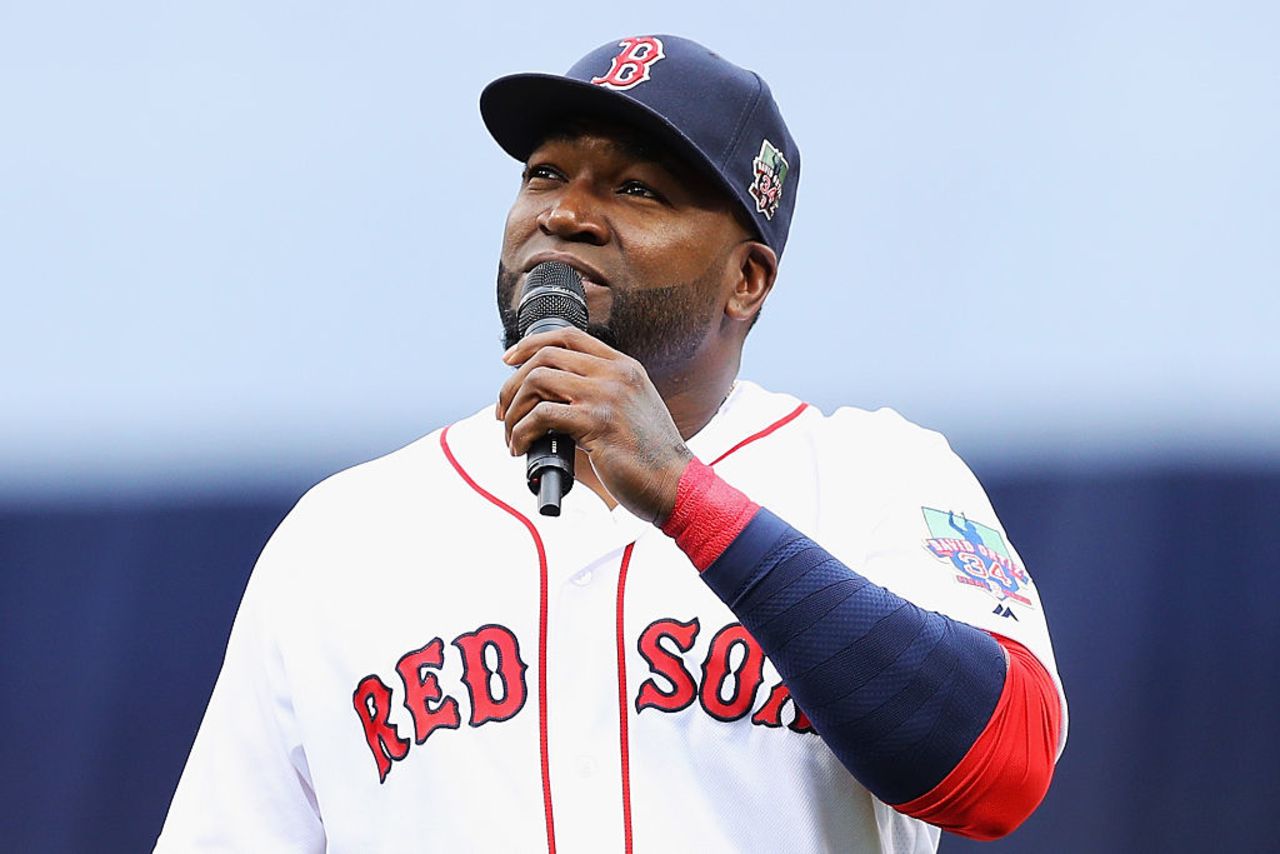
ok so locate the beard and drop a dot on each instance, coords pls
(661, 328)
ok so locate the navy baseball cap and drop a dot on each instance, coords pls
(718, 116)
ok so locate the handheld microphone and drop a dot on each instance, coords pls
(553, 298)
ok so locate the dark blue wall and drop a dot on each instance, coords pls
(1159, 588)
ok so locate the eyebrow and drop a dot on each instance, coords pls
(648, 149)
(630, 143)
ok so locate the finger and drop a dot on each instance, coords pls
(543, 383)
(558, 358)
(569, 337)
(549, 416)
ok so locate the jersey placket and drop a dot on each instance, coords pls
(586, 548)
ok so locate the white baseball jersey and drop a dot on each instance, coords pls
(422, 663)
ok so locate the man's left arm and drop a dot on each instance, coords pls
(947, 723)
(943, 721)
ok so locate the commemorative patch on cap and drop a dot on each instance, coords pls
(630, 67)
(770, 170)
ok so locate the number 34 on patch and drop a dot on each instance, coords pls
(978, 552)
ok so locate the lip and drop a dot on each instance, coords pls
(590, 275)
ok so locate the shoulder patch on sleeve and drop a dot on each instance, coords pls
(980, 557)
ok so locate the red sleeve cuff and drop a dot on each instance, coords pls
(708, 515)
(1005, 775)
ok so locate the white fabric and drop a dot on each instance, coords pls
(378, 560)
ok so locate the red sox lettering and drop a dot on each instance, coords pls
(731, 676)
(372, 696)
(421, 688)
(715, 673)
(476, 674)
(372, 700)
(667, 664)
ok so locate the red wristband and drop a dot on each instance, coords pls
(708, 514)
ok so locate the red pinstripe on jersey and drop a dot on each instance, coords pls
(755, 437)
(623, 744)
(542, 632)
(620, 634)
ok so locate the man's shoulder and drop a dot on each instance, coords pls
(412, 478)
(380, 478)
(853, 429)
(392, 514)
(883, 430)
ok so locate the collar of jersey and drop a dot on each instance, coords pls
(477, 444)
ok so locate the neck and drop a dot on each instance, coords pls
(694, 399)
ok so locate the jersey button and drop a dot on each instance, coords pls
(582, 579)
(586, 766)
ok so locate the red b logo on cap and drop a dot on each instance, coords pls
(631, 66)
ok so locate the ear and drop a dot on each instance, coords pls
(758, 267)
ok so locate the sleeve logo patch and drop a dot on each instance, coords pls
(978, 553)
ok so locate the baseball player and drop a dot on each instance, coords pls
(754, 627)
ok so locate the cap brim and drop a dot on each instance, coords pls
(521, 109)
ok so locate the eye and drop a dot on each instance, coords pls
(542, 171)
(639, 188)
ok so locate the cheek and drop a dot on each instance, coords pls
(657, 254)
(676, 252)
(521, 222)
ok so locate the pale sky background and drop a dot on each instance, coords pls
(240, 241)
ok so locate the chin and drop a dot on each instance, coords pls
(599, 304)
(601, 332)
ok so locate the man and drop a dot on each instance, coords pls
(668, 664)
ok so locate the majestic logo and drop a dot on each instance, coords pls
(980, 555)
(770, 169)
(631, 66)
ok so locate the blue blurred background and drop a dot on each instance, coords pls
(243, 245)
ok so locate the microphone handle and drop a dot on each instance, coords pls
(549, 462)
(550, 491)
(549, 470)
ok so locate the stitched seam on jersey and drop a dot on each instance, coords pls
(542, 631)
(623, 730)
(781, 422)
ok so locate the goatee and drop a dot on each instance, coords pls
(660, 327)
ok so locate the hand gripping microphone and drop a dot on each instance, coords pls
(553, 298)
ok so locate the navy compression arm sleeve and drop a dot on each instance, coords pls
(944, 722)
(898, 693)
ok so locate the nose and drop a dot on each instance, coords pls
(574, 214)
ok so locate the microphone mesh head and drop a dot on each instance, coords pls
(552, 291)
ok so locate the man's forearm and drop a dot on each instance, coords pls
(939, 719)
